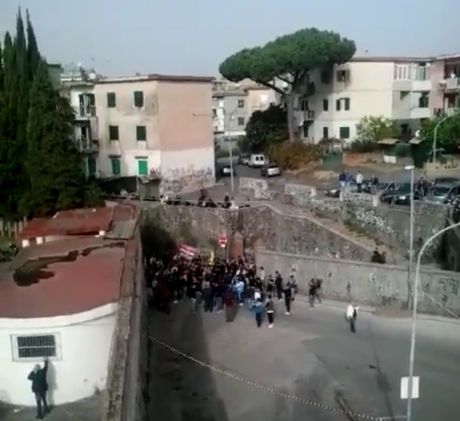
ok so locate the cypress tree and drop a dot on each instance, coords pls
(33, 54)
(54, 163)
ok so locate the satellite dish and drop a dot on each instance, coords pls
(417, 134)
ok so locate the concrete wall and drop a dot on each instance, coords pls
(128, 367)
(260, 225)
(367, 283)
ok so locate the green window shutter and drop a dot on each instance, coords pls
(344, 133)
(138, 99)
(111, 100)
(142, 167)
(116, 165)
(141, 133)
(91, 166)
(113, 133)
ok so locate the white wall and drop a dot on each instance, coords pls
(188, 163)
(80, 369)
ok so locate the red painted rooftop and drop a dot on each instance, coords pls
(77, 222)
(74, 285)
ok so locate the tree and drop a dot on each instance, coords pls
(289, 59)
(54, 163)
(448, 133)
(375, 128)
(266, 127)
(33, 54)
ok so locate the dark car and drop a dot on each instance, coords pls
(243, 159)
(399, 194)
(446, 180)
(270, 170)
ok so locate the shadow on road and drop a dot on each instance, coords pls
(181, 390)
(381, 378)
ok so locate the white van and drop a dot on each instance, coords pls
(256, 161)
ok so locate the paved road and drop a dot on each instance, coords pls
(309, 354)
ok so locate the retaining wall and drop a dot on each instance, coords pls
(367, 283)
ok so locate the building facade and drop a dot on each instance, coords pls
(156, 127)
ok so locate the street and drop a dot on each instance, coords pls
(309, 366)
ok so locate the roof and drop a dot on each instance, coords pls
(390, 59)
(62, 278)
(77, 222)
(156, 77)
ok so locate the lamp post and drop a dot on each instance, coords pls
(414, 314)
(411, 168)
(230, 153)
(435, 132)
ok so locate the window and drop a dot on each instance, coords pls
(325, 105)
(115, 162)
(403, 95)
(138, 99)
(92, 166)
(424, 100)
(142, 166)
(343, 75)
(325, 132)
(342, 104)
(240, 121)
(113, 133)
(35, 347)
(241, 103)
(325, 77)
(344, 133)
(141, 133)
(111, 100)
(303, 105)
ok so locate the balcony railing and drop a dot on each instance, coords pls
(85, 111)
(87, 146)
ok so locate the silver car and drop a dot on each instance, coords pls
(441, 193)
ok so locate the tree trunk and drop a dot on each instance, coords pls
(289, 98)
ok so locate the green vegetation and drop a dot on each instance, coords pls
(289, 59)
(41, 170)
(448, 134)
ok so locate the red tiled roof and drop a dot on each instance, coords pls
(70, 287)
(72, 222)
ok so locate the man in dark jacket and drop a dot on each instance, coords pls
(40, 388)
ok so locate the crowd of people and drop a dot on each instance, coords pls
(220, 285)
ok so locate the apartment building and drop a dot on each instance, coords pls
(157, 127)
(337, 99)
(233, 105)
(445, 80)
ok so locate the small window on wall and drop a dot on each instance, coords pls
(114, 133)
(344, 133)
(111, 100)
(142, 166)
(141, 133)
(138, 99)
(35, 347)
(115, 163)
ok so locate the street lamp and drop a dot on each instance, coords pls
(230, 153)
(435, 133)
(414, 314)
(411, 168)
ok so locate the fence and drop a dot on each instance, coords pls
(11, 229)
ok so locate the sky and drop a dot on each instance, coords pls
(193, 36)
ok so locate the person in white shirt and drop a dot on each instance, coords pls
(359, 182)
(352, 315)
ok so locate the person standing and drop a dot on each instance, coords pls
(208, 299)
(288, 297)
(352, 315)
(312, 287)
(229, 304)
(40, 388)
(279, 285)
(359, 182)
(258, 308)
(270, 309)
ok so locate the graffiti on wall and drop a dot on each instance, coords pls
(384, 286)
(301, 195)
(448, 287)
(186, 179)
(254, 187)
(368, 218)
(363, 199)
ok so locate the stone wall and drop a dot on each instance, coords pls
(260, 225)
(128, 365)
(367, 283)
(389, 225)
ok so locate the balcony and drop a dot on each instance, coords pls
(451, 84)
(85, 112)
(85, 145)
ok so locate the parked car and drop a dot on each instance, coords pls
(399, 194)
(226, 171)
(256, 161)
(443, 193)
(244, 159)
(270, 170)
(446, 180)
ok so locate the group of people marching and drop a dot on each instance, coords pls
(223, 285)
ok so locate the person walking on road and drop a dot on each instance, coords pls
(288, 297)
(270, 309)
(352, 315)
(258, 308)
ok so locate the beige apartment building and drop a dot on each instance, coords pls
(153, 126)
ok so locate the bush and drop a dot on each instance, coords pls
(293, 155)
(225, 153)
